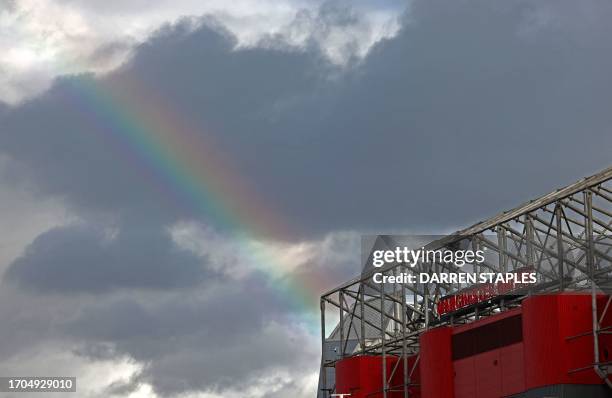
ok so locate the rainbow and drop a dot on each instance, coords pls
(188, 165)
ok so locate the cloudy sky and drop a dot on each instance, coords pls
(180, 180)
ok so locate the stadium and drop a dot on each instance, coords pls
(552, 338)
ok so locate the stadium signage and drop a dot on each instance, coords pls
(481, 293)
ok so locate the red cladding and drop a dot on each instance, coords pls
(436, 364)
(499, 356)
(558, 339)
(488, 357)
(362, 377)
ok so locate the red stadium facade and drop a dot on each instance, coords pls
(545, 344)
(549, 340)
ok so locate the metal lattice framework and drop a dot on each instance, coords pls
(565, 236)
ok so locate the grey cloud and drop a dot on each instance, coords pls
(61, 142)
(80, 258)
(7, 5)
(219, 340)
(110, 54)
(459, 116)
(193, 342)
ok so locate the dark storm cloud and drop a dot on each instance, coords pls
(458, 117)
(69, 150)
(192, 342)
(221, 338)
(473, 107)
(80, 258)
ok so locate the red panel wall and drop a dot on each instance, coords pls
(436, 364)
(465, 378)
(605, 340)
(415, 380)
(348, 373)
(548, 352)
(493, 374)
(541, 341)
(576, 318)
(362, 377)
(488, 381)
(397, 381)
(552, 350)
(512, 369)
